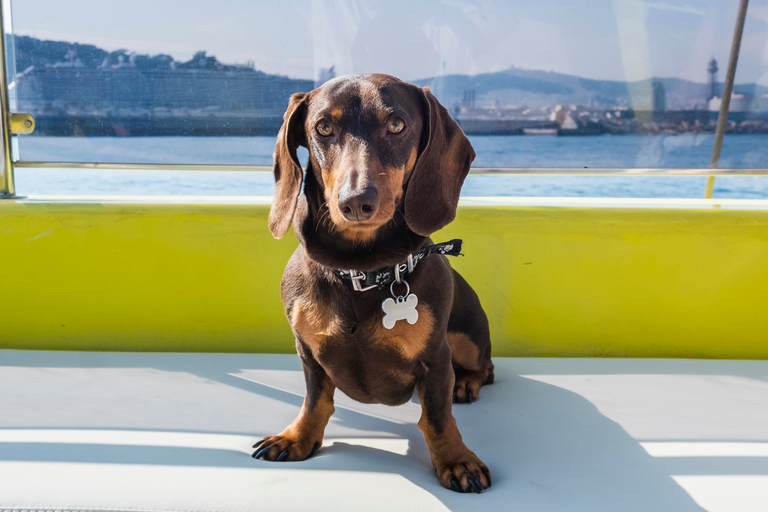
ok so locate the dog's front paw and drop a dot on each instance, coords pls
(467, 474)
(285, 447)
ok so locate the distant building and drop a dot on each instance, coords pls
(739, 103)
(127, 87)
(468, 101)
(712, 70)
(658, 98)
(561, 114)
(648, 99)
(761, 103)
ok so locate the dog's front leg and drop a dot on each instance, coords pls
(457, 467)
(304, 436)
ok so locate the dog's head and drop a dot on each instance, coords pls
(375, 143)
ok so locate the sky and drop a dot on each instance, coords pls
(413, 39)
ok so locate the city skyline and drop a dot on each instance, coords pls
(624, 40)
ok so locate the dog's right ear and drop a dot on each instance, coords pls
(287, 169)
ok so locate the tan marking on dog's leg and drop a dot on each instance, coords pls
(457, 467)
(300, 439)
(313, 323)
(464, 352)
(452, 459)
(470, 375)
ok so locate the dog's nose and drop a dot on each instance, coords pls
(358, 205)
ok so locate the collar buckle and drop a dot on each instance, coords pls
(356, 277)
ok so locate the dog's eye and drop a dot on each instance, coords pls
(395, 125)
(324, 128)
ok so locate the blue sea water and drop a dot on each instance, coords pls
(616, 151)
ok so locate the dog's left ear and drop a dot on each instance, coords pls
(287, 169)
(433, 189)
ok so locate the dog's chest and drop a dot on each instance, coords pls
(357, 351)
(328, 327)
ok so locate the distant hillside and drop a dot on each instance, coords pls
(520, 87)
(545, 89)
(33, 52)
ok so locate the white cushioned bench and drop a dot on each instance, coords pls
(173, 432)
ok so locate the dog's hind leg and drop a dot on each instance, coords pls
(470, 341)
(304, 436)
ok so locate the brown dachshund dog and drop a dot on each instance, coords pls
(386, 164)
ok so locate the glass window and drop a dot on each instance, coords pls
(544, 84)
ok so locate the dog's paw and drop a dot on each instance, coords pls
(467, 387)
(467, 474)
(466, 391)
(284, 447)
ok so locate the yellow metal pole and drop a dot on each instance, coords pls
(725, 105)
(7, 188)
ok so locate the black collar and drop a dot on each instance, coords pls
(362, 281)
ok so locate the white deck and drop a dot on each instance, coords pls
(121, 431)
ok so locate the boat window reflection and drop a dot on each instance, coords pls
(553, 83)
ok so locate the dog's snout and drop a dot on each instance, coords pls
(358, 205)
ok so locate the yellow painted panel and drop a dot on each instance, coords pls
(142, 277)
(620, 282)
(555, 281)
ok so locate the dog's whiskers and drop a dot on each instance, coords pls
(324, 219)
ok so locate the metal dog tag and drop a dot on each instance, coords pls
(401, 307)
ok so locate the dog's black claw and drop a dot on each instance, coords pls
(314, 449)
(261, 451)
(470, 396)
(476, 485)
(283, 456)
(257, 444)
(488, 477)
(455, 485)
(455, 395)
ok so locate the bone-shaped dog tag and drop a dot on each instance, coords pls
(400, 308)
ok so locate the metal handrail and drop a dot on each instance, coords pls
(543, 171)
(7, 188)
(725, 104)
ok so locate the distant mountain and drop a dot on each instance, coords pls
(512, 87)
(537, 89)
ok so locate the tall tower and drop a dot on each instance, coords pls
(712, 69)
(658, 99)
